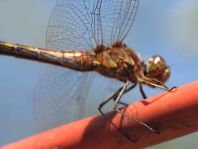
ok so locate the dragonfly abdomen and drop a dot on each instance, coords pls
(73, 59)
(78, 60)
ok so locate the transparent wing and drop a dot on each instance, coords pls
(82, 24)
(70, 26)
(113, 19)
(57, 92)
(64, 95)
(125, 12)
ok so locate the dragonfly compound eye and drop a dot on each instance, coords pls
(157, 68)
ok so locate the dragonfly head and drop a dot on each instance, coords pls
(157, 68)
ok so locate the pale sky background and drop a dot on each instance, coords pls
(168, 28)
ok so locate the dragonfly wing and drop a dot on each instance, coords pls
(63, 95)
(70, 26)
(83, 24)
(57, 93)
(127, 10)
(59, 89)
(112, 19)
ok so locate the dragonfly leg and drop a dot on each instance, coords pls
(108, 99)
(142, 91)
(126, 91)
(113, 97)
(119, 95)
(170, 89)
(155, 83)
(136, 120)
(125, 115)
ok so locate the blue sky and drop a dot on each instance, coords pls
(168, 28)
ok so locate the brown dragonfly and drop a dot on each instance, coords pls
(94, 31)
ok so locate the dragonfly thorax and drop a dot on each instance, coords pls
(118, 61)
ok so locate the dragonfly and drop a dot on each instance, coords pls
(86, 36)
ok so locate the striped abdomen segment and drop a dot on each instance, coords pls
(73, 59)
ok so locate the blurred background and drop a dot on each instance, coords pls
(168, 28)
